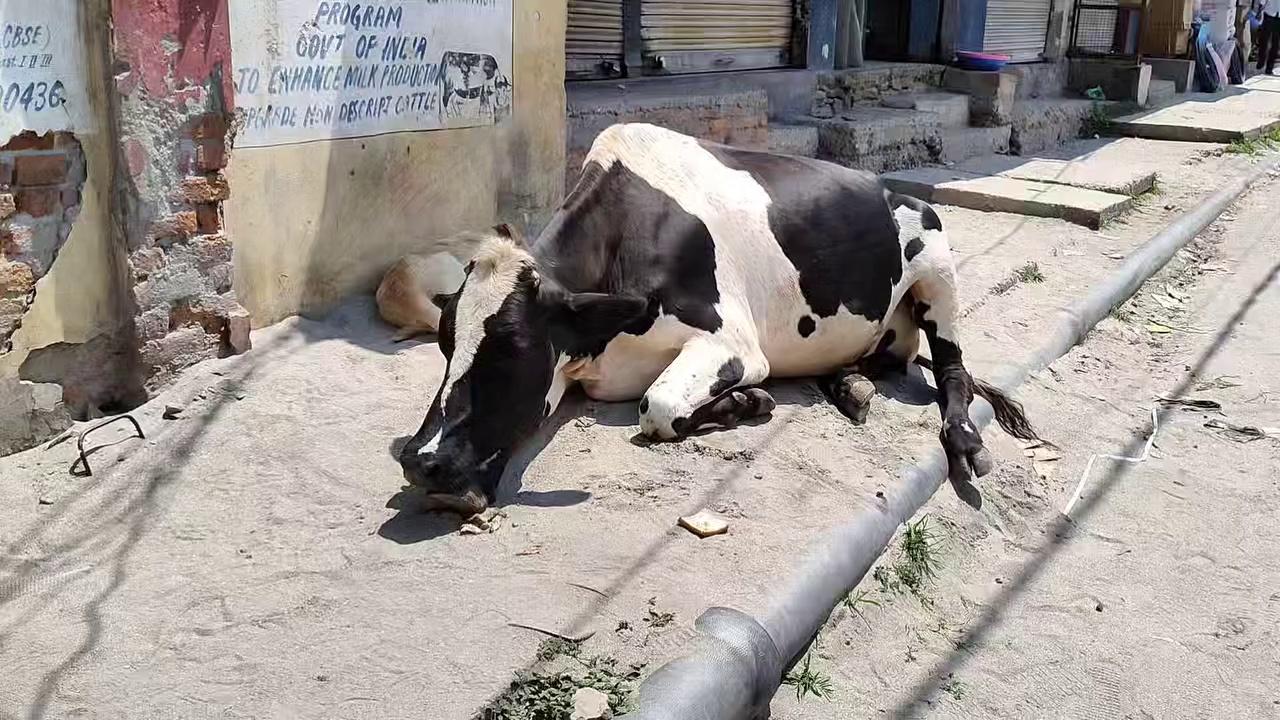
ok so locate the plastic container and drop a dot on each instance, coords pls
(980, 61)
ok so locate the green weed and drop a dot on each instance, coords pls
(808, 681)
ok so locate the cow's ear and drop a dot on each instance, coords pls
(442, 300)
(594, 315)
(506, 231)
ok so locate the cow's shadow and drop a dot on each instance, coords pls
(412, 523)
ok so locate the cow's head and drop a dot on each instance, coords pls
(505, 334)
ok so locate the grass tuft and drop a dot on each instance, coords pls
(808, 681)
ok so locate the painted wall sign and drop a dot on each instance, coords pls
(308, 70)
(41, 68)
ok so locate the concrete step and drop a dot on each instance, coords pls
(793, 139)
(952, 109)
(945, 186)
(1094, 171)
(878, 138)
(960, 144)
(1161, 92)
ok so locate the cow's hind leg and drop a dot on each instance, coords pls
(936, 312)
(707, 383)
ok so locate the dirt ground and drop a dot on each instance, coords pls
(242, 560)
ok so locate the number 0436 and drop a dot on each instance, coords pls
(34, 96)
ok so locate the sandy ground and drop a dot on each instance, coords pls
(242, 561)
(1158, 599)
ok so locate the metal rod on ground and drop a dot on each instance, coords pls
(734, 666)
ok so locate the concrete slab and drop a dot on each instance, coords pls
(959, 144)
(952, 109)
(1091, 172)
(1091, 208)
(793, 139)
(1238, 113)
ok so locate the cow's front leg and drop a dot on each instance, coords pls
(701, 386)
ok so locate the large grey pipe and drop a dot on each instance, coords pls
(733, 667)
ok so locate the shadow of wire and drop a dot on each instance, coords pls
(1059, 532)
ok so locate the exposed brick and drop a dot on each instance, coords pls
(208, 218)
(7, 206)
(6, 171)
(16, 240)
(211, 250)
(182, 224)
(40, 169)
(30, 141)
(211, 126)
(145, 261)
(16, 279)
(211, 155)
(40, 201)
(237, 330)
(206, 189)
(135, 154)
(210, 319)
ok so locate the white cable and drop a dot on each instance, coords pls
(1084, 476)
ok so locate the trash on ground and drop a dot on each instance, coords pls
(1242, 433)
(1196, 403)
(590, 704)
(704, 523)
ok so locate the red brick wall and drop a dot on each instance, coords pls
(40, 181)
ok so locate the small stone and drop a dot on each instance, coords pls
(45, 501)
(999, 581)
(590, 704)
(704, 524)
(1098, 607)
(171, 412)
(759, 476)
(472, 530)
(322, 678)
(584, 422)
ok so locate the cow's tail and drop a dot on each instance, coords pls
(1008, 412)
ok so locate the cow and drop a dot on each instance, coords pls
(683, 273)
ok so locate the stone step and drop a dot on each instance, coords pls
(945, 186)
(1095, 171)
(1161, 92)
(952, 109)
(877, 138)
(960, 144)
(793, 139)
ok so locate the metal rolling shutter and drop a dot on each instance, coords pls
(593, 39)
(1017, 28)
(702, 35)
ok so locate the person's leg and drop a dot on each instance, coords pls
(1270, 43)
(1264, 42)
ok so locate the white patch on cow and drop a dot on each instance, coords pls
(493, 277)
(931, 277)
(559, 383)
(910, 224)
(432, 445)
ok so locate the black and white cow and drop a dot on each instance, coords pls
(684, 273)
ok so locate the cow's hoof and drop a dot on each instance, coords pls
(967, 457)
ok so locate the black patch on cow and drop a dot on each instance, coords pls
(886, 341)
(728, 376)
(913, 248)
(835, 226)
(616, 233)
(644, 404)
(806, 326)
(680, 426)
